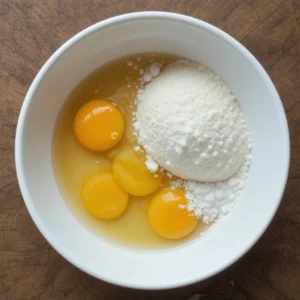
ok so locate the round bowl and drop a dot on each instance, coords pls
(226, 241)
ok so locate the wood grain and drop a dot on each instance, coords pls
(29, 33)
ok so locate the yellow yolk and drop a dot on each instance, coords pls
(131, 173)
(98, 125)
(167, 218)
(103, 197)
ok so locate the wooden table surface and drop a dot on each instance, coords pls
(29, 33)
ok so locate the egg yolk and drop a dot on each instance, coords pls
(103, 197)
(98, 125)
(166, 216)
(131, 173)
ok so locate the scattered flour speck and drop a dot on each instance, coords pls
(151, 164)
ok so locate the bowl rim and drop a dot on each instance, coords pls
(51, 239)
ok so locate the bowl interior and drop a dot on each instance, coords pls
(192, 39)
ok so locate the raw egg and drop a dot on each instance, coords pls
(131, 173)
(103, 197)
(168, 215)
(98, 125)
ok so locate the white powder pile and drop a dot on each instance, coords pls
(212, 200)
(189, 123)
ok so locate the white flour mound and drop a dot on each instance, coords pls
(189, 122)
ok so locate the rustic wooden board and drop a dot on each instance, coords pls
(29, 33)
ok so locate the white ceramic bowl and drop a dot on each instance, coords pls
(193, 39)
